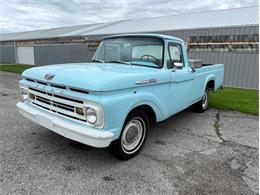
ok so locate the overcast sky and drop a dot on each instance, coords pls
(23, 15)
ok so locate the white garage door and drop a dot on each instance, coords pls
(25, 55)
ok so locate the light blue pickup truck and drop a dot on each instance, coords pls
(133, 81)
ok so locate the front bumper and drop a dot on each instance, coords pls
(65, 127)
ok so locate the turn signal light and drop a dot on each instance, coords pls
(79, 111)
(31, 96)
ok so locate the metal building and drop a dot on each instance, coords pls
(224, 36)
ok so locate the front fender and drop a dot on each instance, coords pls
(117, 105)
(153, 102)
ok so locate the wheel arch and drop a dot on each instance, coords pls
(147, 109)
(154, 110)
(210, 82)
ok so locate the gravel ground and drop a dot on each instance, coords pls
(211, 153)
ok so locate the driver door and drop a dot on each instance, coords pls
(181, 78)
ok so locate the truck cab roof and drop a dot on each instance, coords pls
(146, 35)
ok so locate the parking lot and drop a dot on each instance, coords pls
(211, 153)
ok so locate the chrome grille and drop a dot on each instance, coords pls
(59, 104)
(57, 86)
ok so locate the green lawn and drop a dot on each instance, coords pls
(242, 100)
(15, 68)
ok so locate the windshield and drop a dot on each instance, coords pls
(142, 51)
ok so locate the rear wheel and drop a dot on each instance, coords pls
(132, 137)
(202, 105)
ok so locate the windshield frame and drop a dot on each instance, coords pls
(137, 36)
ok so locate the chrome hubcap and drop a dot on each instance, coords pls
(205, 100)
(133, 135)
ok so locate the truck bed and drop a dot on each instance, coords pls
(206, 73)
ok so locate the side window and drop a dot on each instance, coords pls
(175, 55)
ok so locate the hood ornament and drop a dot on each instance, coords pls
(49, 76)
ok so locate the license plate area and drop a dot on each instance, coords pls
(44, 121)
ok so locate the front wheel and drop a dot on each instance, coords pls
(132, 137)
(202, 105)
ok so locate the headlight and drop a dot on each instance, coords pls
(24, 92)
(94, 114)
(91, 115)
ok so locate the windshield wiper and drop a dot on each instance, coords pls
(119, 62)
(98, 60)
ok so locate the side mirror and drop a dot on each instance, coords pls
(178, 65)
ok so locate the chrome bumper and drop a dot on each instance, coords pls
(69, 129)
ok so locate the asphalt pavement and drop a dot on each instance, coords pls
(215, 152)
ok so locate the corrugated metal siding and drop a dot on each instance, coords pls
(56, 54)
(241, 69)
(7, 54)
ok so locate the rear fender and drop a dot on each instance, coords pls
(210, 78)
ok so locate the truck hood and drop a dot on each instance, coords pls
(96, 76)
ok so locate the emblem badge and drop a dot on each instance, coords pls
(49, 76)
